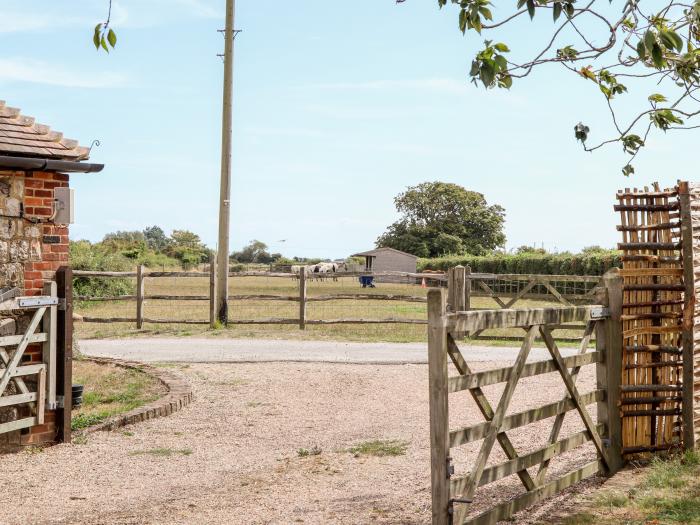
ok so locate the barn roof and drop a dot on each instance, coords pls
(377, 251)
(22, 136)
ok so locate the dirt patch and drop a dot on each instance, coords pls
(233, 456)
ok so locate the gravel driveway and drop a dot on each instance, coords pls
(231, 456)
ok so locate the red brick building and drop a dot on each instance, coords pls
(34, 162)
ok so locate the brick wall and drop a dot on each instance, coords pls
(35, 250)
(38, 203)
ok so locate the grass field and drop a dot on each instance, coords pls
(260, 309)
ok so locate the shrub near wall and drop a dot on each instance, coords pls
(545, 264)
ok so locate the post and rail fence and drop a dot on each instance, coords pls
(504, 289)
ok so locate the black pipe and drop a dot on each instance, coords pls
(30, 163)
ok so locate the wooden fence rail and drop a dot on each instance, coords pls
(505, 289)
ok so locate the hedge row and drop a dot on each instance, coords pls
(544, 264)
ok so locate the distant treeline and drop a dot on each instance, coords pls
(590, 262)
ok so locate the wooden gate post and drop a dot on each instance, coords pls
(687, 337)
(64, 353)
(302, 298)
(139, 296)
(609, 371)
(439, 421)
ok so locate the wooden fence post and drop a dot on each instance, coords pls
(212, 291)
(687, 337)
(451, 289)
(439, 422)
(139, 296)
(467, 288)
(460, 287)
(302, 298)
(609, 371)
(64, 353)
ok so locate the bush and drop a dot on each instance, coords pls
(588, 263)
(155, 260)
(87, 256)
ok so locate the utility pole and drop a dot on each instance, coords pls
(221, 285)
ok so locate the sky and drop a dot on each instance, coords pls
(338, 107)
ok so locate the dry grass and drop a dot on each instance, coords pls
(259, 309)
(110, 390)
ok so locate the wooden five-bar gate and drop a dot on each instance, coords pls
(645, 365)
(453, 492)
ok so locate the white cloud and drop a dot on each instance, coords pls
(17, 17)
(39, 72)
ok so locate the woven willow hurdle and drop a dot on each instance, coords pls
(657, 344)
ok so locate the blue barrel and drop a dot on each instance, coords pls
(367, 281)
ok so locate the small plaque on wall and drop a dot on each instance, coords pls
(51, 239)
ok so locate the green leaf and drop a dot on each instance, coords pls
(649, 40)
(501, 62)
(486, 12)
(641, 50)
(112, 38)
(531, 8)
(672, 40)
(657, 97)
(556, 11)
(103, 43)
(628, 170)
(463, 17)
(502, 47)
(96, 36)
(657, 56)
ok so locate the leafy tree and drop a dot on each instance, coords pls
(188, 248)
(655, 45)
(529, 249)
(130, 244)
(156, 239)
(440, 218)
(255, 252)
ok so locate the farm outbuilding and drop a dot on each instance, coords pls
(388, 260)
(35, 209)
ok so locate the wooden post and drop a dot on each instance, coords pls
(451, 289)
(49, 347)
(467, 288)
(225, 185)
(302, 298)
(139, 296)
(609, 371)
(212, 291)
(64, 354)
(460, 288)
(439, 421)
(687, 338)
